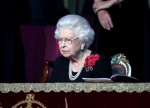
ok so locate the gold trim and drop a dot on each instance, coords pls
(76, 87)
(29, 102)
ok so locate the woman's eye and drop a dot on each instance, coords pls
(68, 40)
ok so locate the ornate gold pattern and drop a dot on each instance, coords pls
(76, 87)
(29, 102)
(120, 58)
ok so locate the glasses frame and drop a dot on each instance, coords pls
(68, 41)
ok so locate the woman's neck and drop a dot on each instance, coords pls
(80, 56)
(77, 64)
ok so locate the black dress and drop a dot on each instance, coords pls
(122, 38)
(102, 68)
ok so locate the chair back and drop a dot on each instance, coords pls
(120, 65)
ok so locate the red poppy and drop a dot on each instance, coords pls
(91, 60)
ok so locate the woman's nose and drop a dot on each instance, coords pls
(63, 44)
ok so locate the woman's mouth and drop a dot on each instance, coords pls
(64, 51)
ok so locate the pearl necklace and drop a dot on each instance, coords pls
(73, 77)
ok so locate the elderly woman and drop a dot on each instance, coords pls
(74, 35)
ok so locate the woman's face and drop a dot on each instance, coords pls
(69, 43)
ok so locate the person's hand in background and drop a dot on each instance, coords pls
(99, 8)
(105, 19)
(99, 5)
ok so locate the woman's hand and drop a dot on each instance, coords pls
(98, 5)
(105, 19)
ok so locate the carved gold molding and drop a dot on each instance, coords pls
(29, 102)
(76, 87)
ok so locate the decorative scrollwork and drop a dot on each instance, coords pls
(76, 87)
(29, 103)
(121, 59)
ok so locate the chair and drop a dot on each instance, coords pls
(48, 66)
(52, 52)
(121, 69)
(120, 65)
(40, 46)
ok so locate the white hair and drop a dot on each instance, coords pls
(79, 25)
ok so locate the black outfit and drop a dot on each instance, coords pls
(102, 68)
(146, 41)
(122, 37)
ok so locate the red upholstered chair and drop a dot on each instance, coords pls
(34, 44)
(40, 47)
(52, 52)
(121, 69)
(120, 65)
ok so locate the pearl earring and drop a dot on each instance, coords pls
(82, 47)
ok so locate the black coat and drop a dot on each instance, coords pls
(102, 69)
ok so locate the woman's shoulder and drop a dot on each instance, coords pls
(61, 59)
(102, 67)
(99, 59)
(102, 56)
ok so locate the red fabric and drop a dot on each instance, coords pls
(52, 49)
(118, 67)
(40, 46)
(80, 100)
